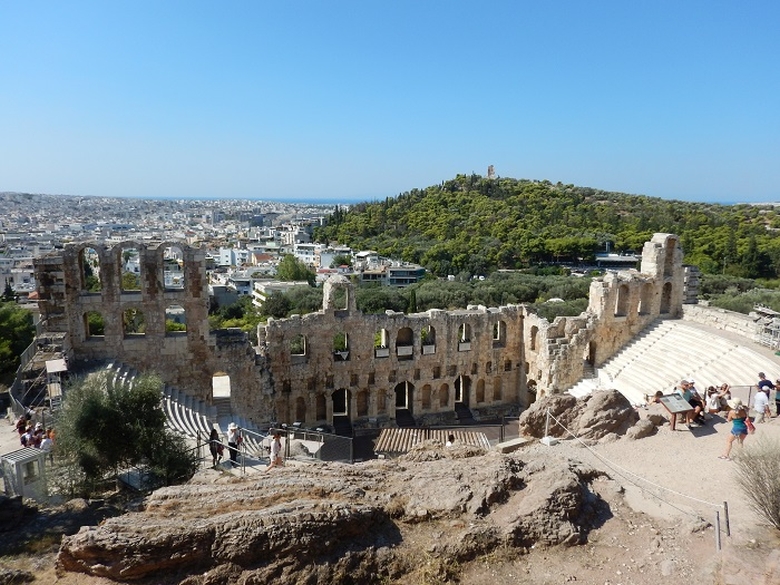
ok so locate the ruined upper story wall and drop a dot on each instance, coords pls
(555, 351)
(65, 303)
(403, 335)
(625, 302)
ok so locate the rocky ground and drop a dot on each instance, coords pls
(607, 510)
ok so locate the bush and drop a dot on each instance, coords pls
(758, 474)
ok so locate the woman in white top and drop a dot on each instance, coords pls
(276, 452)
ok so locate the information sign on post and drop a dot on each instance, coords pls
(675, 404)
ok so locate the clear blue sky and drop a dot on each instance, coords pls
(366, 99)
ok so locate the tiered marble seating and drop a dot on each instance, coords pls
(670, 351)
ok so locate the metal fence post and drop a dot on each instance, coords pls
(717, 530)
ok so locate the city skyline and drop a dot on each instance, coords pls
(352, 101)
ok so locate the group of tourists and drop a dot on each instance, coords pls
(738, 413)
(34, 436)
(234, 441)
(718, 400)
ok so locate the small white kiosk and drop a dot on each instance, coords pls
(24, 474)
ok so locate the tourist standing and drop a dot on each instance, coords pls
(777, 397)
(276, 451)
(738, 417)
(234, 440)
(215, 447)
(761, 405)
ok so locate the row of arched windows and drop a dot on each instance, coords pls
(623, 301)
(130, 269)
(134, 322)
(402, 395)
(404, 341)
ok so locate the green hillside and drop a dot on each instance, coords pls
(474, 225)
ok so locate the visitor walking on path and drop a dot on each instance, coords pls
(738, 417)
(215, 446)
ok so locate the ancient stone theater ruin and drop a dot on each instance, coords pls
(338, 366)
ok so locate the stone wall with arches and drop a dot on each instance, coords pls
(118, 302)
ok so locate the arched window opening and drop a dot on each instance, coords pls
(175, 319)
(444, 395)
(666, 298)
(428, 339)
(300, 409)
(130, 280)
(320, 405)
(403, 396)
(464, 337)
(426, 397)
(462, 387)
(621, 305)
(404, 344)
(340, 298)
(90, 270)
(94, 326)
(340, 400)
(298, 345)
(480, 391)
(133, 322)
(533, 338)
(499, 334)
(498, 393)
(381, 348)
(646, 299)
(173, 268)
(362, 403)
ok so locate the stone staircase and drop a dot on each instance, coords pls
(342, 426)
(464, 414)
(404, 418)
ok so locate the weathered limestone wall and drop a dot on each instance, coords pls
(481, 368)
(738, 323)
(338, 362)
(182, 358)
(627, 301)
(561, 349)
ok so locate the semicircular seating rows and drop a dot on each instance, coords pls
(192, 417)
(671, 350)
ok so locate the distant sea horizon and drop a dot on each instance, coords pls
(329, 201)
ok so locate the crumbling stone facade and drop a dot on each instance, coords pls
(338, 364)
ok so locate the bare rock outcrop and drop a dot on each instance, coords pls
(335, 523)
(592, 417)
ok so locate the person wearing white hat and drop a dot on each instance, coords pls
(739, 429)
(233, 440)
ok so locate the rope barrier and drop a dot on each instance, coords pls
(617, 468)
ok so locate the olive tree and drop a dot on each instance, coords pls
(108, 424)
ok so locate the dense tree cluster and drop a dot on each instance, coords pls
(474, 225)
(16, 333)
